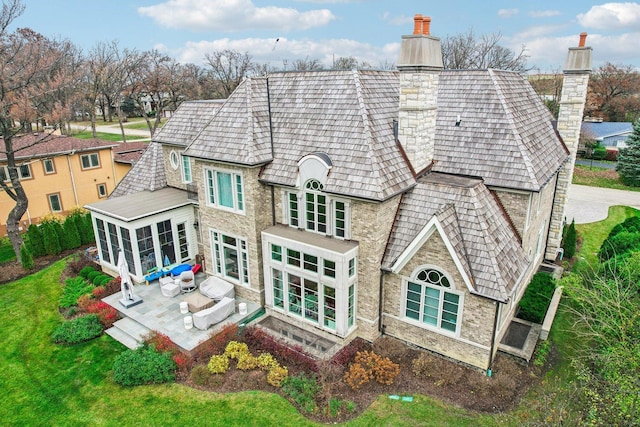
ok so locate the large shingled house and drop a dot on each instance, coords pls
(415, 203)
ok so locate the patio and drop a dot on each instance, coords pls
(162, 314)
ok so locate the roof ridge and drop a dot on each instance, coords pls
(513, 127)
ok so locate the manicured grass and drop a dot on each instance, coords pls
(115, 137)
(6, 250)
(142, 125)
(46, 384)
(599, 177)
(593, 234)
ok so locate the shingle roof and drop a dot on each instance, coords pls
(505, 135)
(600, 130)
(189, 119)
(146, 174)
(129, 152)
(482, 239)
(47, 145)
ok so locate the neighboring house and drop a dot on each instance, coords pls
(609, 134)
(416, 203)
(126, 154)
(58, 173)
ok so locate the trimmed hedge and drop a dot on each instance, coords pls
(623, 238)
(143, 365)
(78, 330)
(535, 301)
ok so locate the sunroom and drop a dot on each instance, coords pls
(153, 229)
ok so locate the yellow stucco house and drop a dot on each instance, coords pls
(60, 172)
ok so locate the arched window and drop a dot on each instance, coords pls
(315, 206)
(430, 300)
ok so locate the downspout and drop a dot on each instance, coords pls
(73, 181)
(273, 197)
(493, 338)
(113, 169)
(380, 325)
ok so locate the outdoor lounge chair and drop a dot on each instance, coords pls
(187, 281)
(168, 287)
(206, 318)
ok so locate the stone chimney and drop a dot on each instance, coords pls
(420, 63)
(577, 68)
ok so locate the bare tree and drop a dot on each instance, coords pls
(32, 72)
(306, 65)
(227, 70)
(350, 63)
(466, 51)
(613, 93)
(549, 87)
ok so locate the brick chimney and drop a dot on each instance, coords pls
(577, 68)
(419, 63)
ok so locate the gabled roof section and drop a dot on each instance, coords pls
(40, 145)
(187, 121)
(601, 130)
(147, 174)
(349, 116)
(475, 228)
(505, 135)
(239, 131)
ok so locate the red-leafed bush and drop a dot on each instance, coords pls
(99, 292)
(292, 356)
(161, 342)
(106, 314)
(346, 354)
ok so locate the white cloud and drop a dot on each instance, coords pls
(400, 20)
(262, 50)
(611, 16)
(232, 15)
(507, 13)
(544, 13)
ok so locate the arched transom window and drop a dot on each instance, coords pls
(430, 300)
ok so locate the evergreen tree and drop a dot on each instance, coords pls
(86, 229)
(59, 233)
(71, 236)
(50, 239)
(35, 243)
(629, 158)
(25, 258)
(570, 239)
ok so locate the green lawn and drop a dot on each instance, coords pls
(45, 384)
(599, 177)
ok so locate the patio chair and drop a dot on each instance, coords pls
(168, 287)
(187, 281)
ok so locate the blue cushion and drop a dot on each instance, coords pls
(175, 271)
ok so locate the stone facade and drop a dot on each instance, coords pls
(572, 100)
(472, 344)
(417, 116)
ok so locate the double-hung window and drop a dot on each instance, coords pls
(90, 161)
(430, 300)
(225, 189)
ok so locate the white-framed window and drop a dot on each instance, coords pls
(183, 243)
(173, 159)
(224, 189)
(90, 161)
(313, 210)
(102, 190)
(231, 257)
(431, 301)
(48, 166)
(54, 202)
(24, 172)
(186, 170)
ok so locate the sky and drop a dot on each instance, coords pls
(280, 31)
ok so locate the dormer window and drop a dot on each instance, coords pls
(315, 207)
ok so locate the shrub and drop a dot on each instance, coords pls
(257, 339)
(423, 365)
(99, 292)
(200, 375)
(161, 342)
(101, 279)
(302, 389)
(112, 286)
(34, 241)
(86, 229)
(218, 364)
(70, 236)
(107, 315)
(50, 239)
(368, 365)
(266, 361)
(84, 301)
(570, 240)
(535, 301)
(247, 362)
(144, 365)
(84, 273)
(619, 245)
(25, 258)
(77, 330)
(75, 266)
(92, 275)
(235, 350)
(348, 352)
(74, 288)
(277, 375)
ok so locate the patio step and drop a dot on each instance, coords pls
(128, 332)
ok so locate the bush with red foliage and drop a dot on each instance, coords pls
(106, 314)
(112, 287)
(260, 341)
(161, 342)
(347, 353)
(99, 292)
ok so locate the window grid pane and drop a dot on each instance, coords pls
(239, 196)
(329, 307)
(329, 268)
(278, 289)
(102, 238)
(293, 210)
(211, 188)
(276, 252)
(294, 294)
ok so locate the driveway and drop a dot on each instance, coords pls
(590, 204)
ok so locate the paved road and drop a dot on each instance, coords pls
(596, 163)
(115, 128)
(591, 204)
